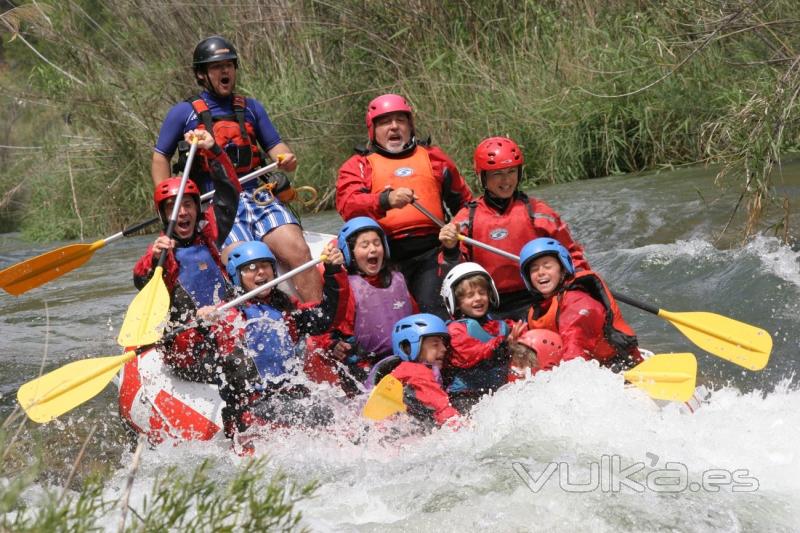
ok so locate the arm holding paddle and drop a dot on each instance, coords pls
(283, 155)
(738, 342)
(317, 318)
(65, 388)
(219, 219)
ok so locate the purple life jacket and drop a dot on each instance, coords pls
(377, 310)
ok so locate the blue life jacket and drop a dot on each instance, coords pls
(489, 374)
(199, 275)
(268, 339)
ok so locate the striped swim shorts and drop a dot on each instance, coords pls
(253, 221)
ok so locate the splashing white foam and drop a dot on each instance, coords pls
(466, 479)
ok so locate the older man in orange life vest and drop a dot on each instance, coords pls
(381, 181)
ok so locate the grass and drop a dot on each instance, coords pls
(200, 499)
(587, 90)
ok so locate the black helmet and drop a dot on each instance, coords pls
(214, 48)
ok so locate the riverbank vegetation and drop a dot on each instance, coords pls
(588, 90)
(205, 497)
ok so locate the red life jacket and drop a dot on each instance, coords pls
(232, 133)
(619, 344)
(508, 231)
(416, 173)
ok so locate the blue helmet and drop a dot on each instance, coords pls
(246, 253)
(413, 329)
(353, 227)
(538, 248)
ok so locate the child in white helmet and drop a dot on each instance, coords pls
(479, 359)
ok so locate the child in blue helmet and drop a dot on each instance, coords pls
(576, 305)
(420, 343)
(262, 335)
(377, 297)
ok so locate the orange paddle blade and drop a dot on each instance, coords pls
(38, 270)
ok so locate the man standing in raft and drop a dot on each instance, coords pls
(241, 127)
(382, 180)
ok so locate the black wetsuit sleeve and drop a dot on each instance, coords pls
(320, 318)
(226, 193)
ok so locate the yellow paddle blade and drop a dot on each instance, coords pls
(385, 400)
(735, 341)
(669, 376)
(147, 313)
(37, 271)
(65, 388)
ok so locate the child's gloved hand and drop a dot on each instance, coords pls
(333, 255)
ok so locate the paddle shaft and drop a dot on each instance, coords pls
(255, 292)
(173, 218)
(280, 279)
(203, 199)
(464, 238)
(635, 303)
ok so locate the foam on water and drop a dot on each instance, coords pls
(469, 478)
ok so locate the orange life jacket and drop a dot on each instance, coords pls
(414, 172)
(619, 339)
(232, 133)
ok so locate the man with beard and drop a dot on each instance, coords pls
(382, 180)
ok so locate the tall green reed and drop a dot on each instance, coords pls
(587, 90)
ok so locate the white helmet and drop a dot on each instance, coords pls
(459, 272)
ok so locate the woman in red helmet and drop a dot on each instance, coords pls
(506, 218)
(193, 271)
(383, 179)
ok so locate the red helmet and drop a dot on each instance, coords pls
(497, 153)
(547, 345)
(169, 189)
(385, 104)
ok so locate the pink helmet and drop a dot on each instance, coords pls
(547, 345)
(384, 104)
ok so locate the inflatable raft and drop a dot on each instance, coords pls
(163, 406)
(155, 402)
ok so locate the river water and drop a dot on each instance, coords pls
(531, 454)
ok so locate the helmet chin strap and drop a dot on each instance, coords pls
(208, 85)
